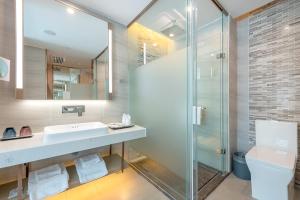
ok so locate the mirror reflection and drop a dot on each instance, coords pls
(65, 53)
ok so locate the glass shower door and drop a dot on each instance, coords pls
(210, 138)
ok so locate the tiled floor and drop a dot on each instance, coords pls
(233, 188)
(174, 185)
(118, 186)
(132, 186)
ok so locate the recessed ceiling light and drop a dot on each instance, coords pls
(212, 54)
(171, 35)
(154, 44)
(70, 11)
(49, 32)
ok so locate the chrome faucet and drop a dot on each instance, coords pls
(74, 109)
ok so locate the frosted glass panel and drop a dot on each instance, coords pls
(159, 103)
(158, 95)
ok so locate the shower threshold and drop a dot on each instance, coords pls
(174, 186)
(208, 180)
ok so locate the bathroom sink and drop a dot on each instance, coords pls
(67, 132)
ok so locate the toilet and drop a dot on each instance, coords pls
(272, 161)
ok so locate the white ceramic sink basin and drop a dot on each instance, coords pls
(68, 132)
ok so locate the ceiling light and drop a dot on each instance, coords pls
(154, 44)
(212, 55)
(70, 11)
(171, 35)
(287, 27)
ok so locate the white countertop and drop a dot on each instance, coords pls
(21, 151)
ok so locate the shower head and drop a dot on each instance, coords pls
(173, 31)
(174, 26)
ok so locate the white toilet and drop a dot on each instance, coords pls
(272, 161)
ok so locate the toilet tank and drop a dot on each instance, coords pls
(277, 134)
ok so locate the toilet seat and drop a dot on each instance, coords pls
(272, 173)
(274, 158)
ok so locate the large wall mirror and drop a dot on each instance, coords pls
(65, 53)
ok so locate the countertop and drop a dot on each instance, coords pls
(27, 150)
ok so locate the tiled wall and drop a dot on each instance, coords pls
(232, 85)
(34, 63)
(243, 85)
(274, 65)
(38, 114)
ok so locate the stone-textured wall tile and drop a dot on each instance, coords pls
(274, 66)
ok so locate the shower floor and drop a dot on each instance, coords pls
(174, 186)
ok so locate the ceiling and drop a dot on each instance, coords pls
(122, 11)
(162, 16)
(239, 7)
(48, 25)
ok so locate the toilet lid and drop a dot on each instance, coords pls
(273, 157)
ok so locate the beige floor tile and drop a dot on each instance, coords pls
(119, 186)
(233, 188)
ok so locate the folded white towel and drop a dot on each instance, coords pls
(95, 171)
(84, 178)
(39, 189)
(88, 161)
(47, 172)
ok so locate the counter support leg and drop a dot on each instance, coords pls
(122, 161)
(20, 182)
(27, 169)
(110, 150)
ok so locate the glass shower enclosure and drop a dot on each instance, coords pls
(178, 91)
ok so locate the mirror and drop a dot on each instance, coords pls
(65, 53)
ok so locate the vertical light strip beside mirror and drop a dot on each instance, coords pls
(19, 48)
(19, 42)
(110, 62)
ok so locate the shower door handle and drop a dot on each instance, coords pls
(198, 112)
